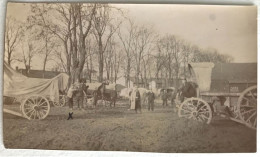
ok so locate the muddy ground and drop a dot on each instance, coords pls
(120, 129)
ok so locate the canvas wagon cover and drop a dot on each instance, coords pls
(201, 74)
(219, 77)
(18, 85)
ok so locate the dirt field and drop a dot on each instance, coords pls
(119, 129)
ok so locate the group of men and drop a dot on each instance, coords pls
(135, 99)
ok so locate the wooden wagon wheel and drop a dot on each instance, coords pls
(197, 109)
(62, 101)
(35, 107)
(247, 106)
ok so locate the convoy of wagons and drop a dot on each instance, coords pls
(213, 80)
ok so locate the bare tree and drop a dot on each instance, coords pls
(86, 12)
(28, 54)
(118, 57)
(60, 61)
(211, 55)
(143, 37)
(48, 50)
(104, 28)
(70, 23)
(110, 52)
(167, 46)
(90, 48)
(13, 35)
(159, 59)
(172, 48)
(126, 39)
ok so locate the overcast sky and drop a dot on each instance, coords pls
(230, 29)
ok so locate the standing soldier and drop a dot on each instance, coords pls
(79, 95)
(150, 97)
(164, 98)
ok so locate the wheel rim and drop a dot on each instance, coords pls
(35, 107)
(62, 101)
(196, 109)
(247, 106)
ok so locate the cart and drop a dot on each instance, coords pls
(235, 82)
(34, 95)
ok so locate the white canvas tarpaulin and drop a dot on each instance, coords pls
(18, 85)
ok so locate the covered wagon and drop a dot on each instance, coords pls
(33, 94)
(234, 83)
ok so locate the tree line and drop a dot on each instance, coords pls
(77, 36)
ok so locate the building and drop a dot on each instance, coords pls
(233, 77)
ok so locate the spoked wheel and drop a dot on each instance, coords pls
(247, 106)
(35, 107)
(62, 101)
(197, 109)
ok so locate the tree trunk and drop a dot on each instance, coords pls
(128, 72)
(46, 56)
(82, 46)
(91, 68)
(101, 60)
(73, 41)
(44, 66)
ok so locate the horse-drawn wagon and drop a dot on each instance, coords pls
(34, 95)
(233, 85)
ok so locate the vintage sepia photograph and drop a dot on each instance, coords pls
(164, 78)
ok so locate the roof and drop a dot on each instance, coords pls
(235, 72)
(39, 73)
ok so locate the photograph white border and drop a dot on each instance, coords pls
(31, 152)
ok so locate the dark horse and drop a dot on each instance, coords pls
(105, 94)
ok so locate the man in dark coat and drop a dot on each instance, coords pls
(188, 90)
(79, 94)
(150, 98)
(164, 98)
